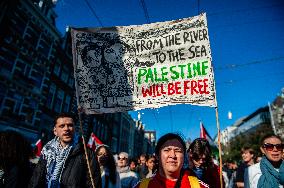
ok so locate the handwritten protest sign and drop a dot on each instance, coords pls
(144, 66)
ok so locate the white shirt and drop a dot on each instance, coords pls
(252, 175)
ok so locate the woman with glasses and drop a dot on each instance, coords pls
(269, 173)
(128, 178)
(110, 177)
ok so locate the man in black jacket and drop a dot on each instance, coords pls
(63, 161)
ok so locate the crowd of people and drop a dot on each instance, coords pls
(63, 163)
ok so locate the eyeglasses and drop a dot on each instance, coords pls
(122, 158)
(270, 147)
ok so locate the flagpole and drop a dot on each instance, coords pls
(85, 148)
(79, 107)
(219, 146)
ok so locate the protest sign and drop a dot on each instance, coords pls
(144, 66)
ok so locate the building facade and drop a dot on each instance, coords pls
(36, 67)
(247, 124)
(37, 82)
(121, 133)
(277, 114)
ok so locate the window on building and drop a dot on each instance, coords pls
(71, 82)
(33, 103)
(67, 103)
(64, 74)
(94, 124)
(56, 69)
(98, 129)
(114, 145)
(43, 47)
(36, 78)
(19, 24)
(2, 94)
(32, 37)
(105, 136)
(20, 67)
(115, 130)
(7, 58)
(59, 100)
(50, 96)
(8, 107)
(102, 133)
(19, 100)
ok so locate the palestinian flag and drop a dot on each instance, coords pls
(204, 134)
(94, 141)
(38, 146)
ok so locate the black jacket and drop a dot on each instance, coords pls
(16, 177)
(75, 174)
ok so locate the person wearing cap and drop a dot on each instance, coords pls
(128, 178)
(269, 172)
(170, 152)
(109, 174)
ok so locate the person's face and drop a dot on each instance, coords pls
(102, 156)
(94, 58)
(142, 160)
(258, 159)
(198, 162)
(273, 153)
(151, 163)
(132, 166)
(121, 161)
(247, 156)
(171, 157)
(64, 129)
(113, 54)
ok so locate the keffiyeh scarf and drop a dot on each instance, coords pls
(270, 177)
(55, 155)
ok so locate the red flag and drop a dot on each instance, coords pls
(204, 134)
(38, 147)
(202, 131)
(94, 141)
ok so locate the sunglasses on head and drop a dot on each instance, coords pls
(270, 147)
(122, 158)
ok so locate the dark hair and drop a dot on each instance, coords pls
(150, 157)
(110, 164)
(15, 149)
(133, 160)
(143, 155)
(270, 136)
(63, 115)
(166, 137)
(249, 149)
(84, 53)
(199, 147)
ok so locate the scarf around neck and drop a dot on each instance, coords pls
(270, 176)
(55, 156)
(198, 172)
(123, 169)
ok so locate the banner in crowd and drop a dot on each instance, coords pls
(144, 66)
